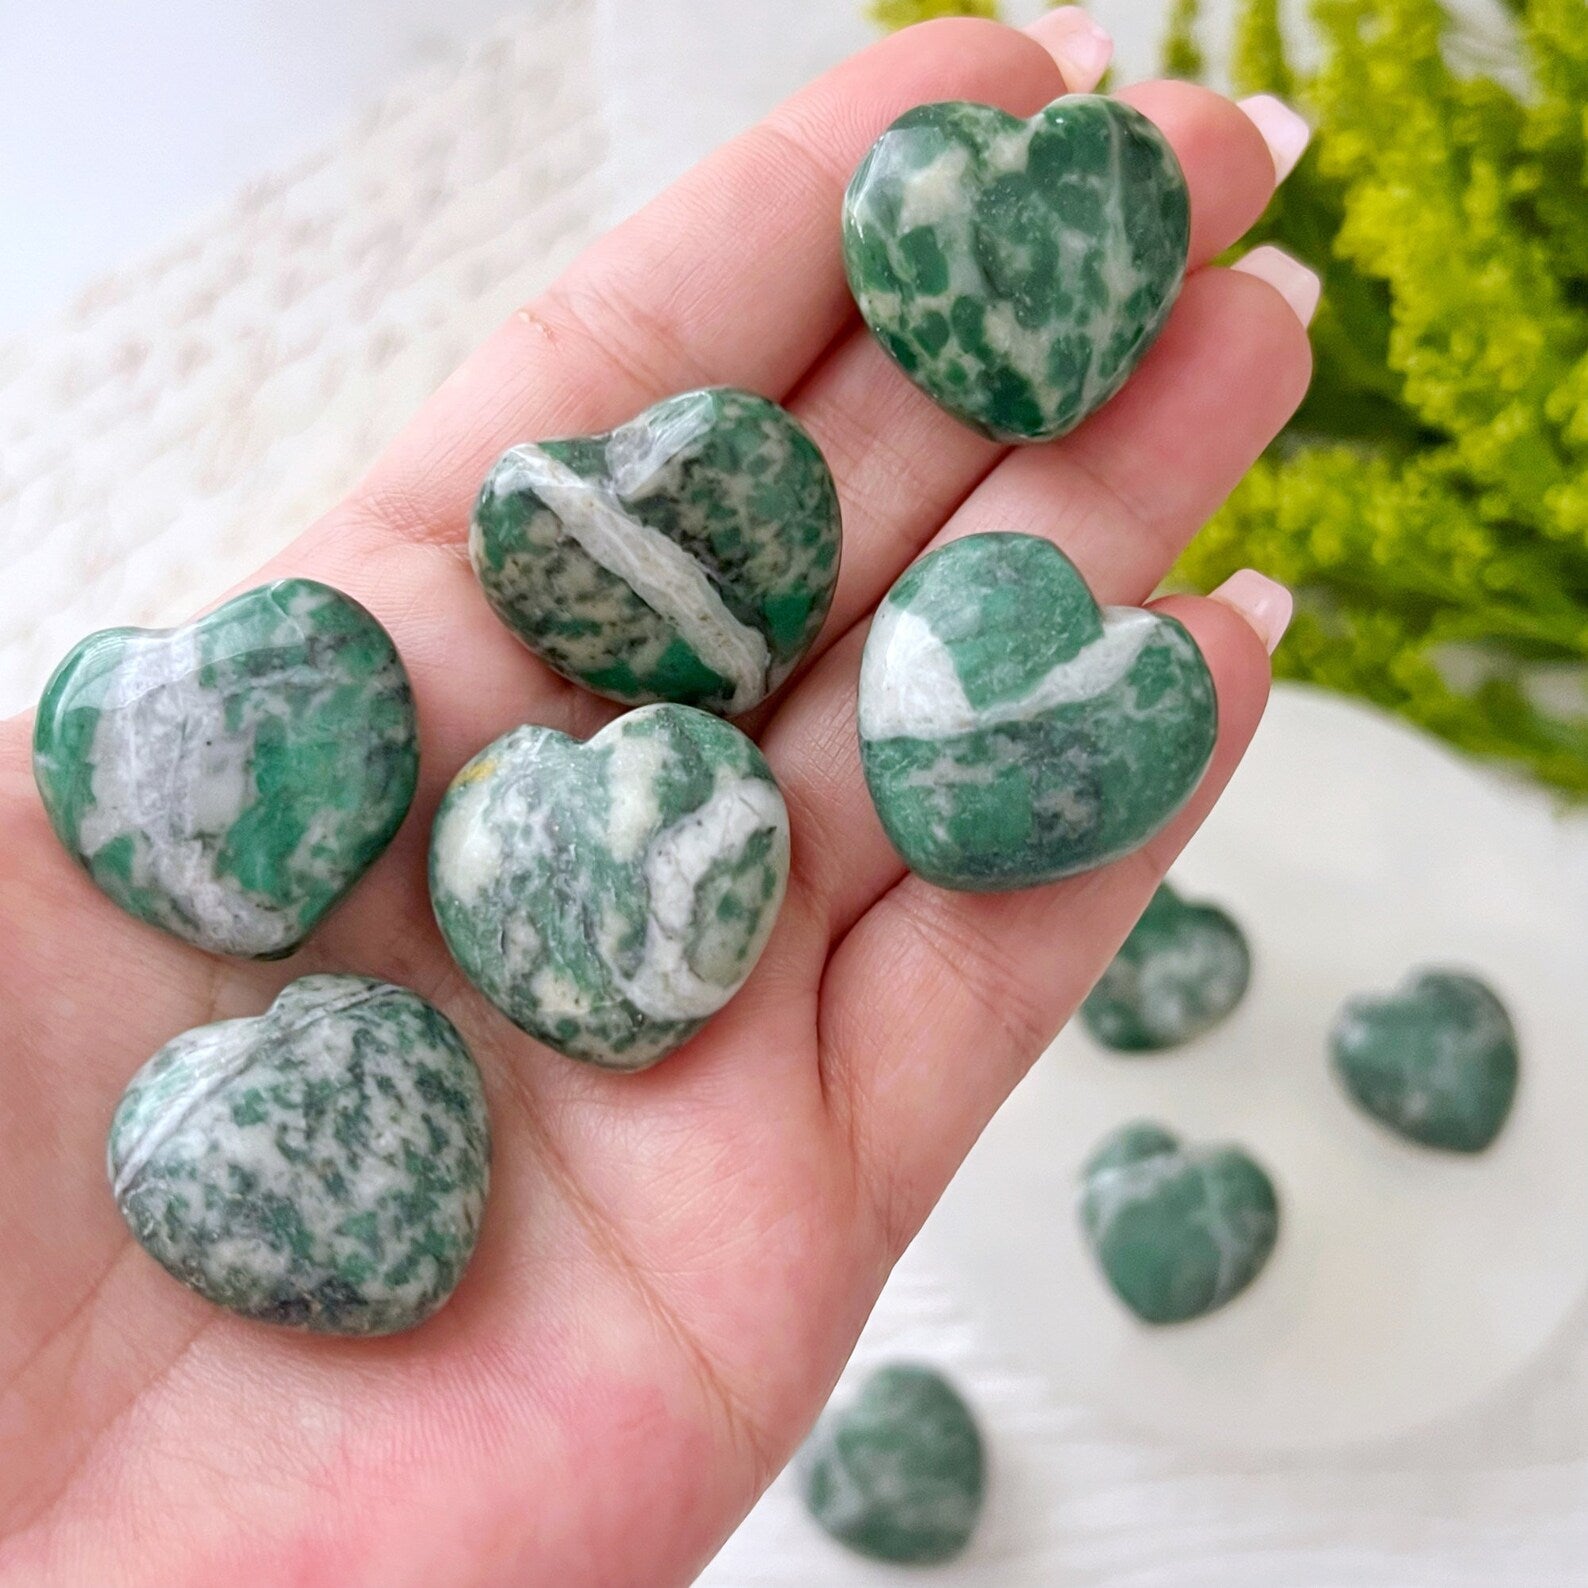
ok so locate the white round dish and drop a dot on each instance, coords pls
(1406, 1283)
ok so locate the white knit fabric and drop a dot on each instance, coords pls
(191, 414)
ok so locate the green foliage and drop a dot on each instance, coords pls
(894, 14)
(1429, 504)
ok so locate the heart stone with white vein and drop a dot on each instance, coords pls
(1012, 732)
(689, 555)
(610, 896)
(322, 1166)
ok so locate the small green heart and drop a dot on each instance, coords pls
(610, 896)
(689, 555)
(322, 1166)
(1181, 971)
(1011, 731)
(1017, 271)
(230, 780)
(899, 1473)
(1435, 1060)
(1178, 1231)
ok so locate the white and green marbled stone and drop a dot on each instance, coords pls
(898, 1472)
(1436, 1060)
(1018, 270)
(1178, 1231)
(610, 896)
(689, 555)
(322, 1166)
(1182, 971)
(231, 779)
(1011, 731)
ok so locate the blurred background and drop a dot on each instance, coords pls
(243, 242)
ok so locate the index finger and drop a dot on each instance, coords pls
(733, 276)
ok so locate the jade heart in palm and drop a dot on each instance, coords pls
(609, 897)
(1435, 1060)
(1181, 971)
(231, 780)
(322, 1166)
(1178, 1231)
(689, 555)
(1012, 732)
(1016, 270)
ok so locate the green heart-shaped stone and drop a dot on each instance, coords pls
(898, 1473)
(1178, 1231)
(1436, 1060)
(230, 780)
(609, 897)
(1181, 971)
(689, 555)
(1011, 731)
(323, 1166)
(1016, 270)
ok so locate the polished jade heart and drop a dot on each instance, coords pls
(689, 555)
(1436, 1060)
(1178, 1231)
(232, 779)
(1181, 971)
(1017, 271)
(1011, 731)
(610, 896)
(898, 1473)
(322, 1166)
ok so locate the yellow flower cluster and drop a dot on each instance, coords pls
(1430, 502)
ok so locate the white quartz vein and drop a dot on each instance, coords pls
(661, 573)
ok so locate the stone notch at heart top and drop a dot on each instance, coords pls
(1178, 1231)
(1017, 270)
(1011, 731)
(1436, 1060)
(1183, 969)
(689, 555)
(610, 896)
(230, 780)
(323, 1166)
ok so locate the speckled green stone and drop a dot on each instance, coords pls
(1182, 970)
(322, 1166)
(230, 780)
(1178, 1231)
(1436, 1060)
(1016, 270)
(689, 555)
(1012, 732)
(610, 896)
(899, 1473)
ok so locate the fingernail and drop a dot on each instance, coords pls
(1081, 48)
(1285, 133)
(1292, 280)
(1263, 602)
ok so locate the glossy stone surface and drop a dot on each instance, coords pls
(322, 1166)
(689, 555)
(1436, 1060)
(899, 1473)
(1178, 1231)
(1016, 270)
(1182, 970)
(610, 896)
(230, 780)
(1013, 733)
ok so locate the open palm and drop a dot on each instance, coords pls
(675, 1264)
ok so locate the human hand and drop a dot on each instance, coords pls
(675, 1264)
